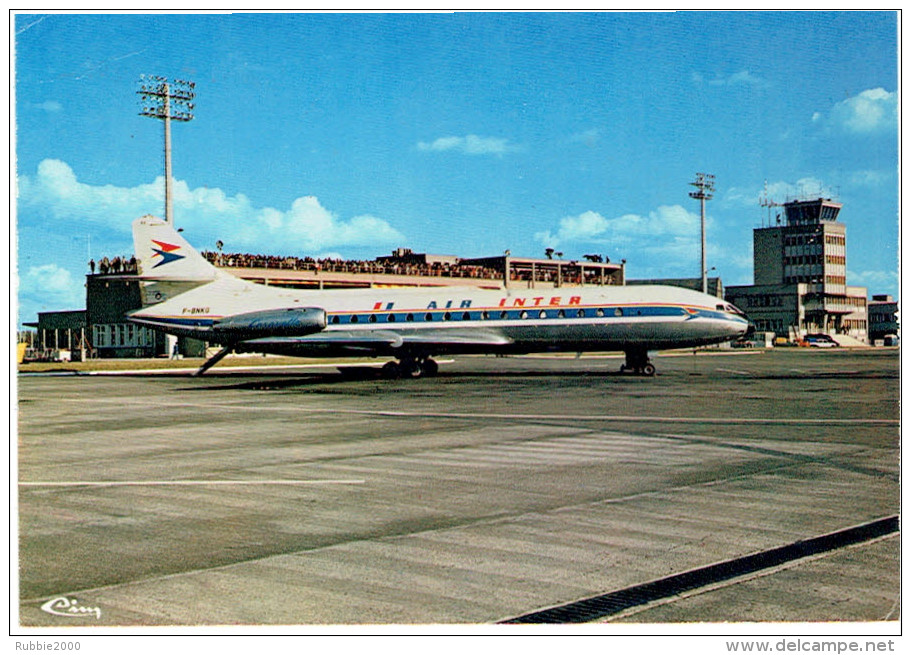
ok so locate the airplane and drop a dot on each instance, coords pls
(185, 295)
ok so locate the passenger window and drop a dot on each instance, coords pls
(409, 317)
(504, 315)
(618, 312)
(523, 314)
(466, 316)
(561, 314)
(599, 312)
(428, 316)
(335, 319)
(447, 316)
(391, 318)
(354, 318)
(542, 314)
(580, 313)
(485, 315)
(372, 318)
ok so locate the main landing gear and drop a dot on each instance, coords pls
(411, 367)
(638, 363)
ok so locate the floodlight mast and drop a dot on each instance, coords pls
(705, 185)
(167, 101)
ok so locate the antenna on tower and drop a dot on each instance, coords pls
(767, 202)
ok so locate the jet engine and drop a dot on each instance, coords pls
(290, 322)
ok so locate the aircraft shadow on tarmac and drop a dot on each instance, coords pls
(260, 381)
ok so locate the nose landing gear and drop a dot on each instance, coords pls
(638, 363)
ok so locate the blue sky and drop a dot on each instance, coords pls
(466, 134)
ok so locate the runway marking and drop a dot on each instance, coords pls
(722, 420)
(181, 483)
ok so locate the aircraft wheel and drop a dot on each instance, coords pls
(411, 369)
(623, 368)
(430, 367)
(391, 370)
(648, 370)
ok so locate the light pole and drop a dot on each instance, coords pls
(167, 101)
(705, 188)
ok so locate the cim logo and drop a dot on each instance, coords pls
(69, 607)
(166, 251)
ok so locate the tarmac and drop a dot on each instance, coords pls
(501, 487)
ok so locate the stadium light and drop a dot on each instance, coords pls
(705, 188)
(167, 101)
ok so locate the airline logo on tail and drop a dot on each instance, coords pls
(166, 251)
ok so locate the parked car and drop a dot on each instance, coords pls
(821, 337)
(820, 341)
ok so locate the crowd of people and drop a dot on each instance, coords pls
(436, 269)
(114, 266)
(570, 275)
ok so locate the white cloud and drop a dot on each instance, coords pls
(583, 227)
(664, 243)
(669, 230)
(871, 111)
(872, 178)
(588, 137)
(806, 187)
(49, 288)
(740, 78)
(50, 106)
(50, 278)
(875, 281)
(468, 145)
(305, 227)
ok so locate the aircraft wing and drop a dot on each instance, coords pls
(382, 339)
(340, 338)
(457, 338)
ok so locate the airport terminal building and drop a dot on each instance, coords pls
(883, 316)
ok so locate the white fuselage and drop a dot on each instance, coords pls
(461, 319)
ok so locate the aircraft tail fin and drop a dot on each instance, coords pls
(163, 254)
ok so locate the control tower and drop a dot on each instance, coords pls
(809, 247)
(799, 272)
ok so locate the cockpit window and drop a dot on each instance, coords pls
(734, 310)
